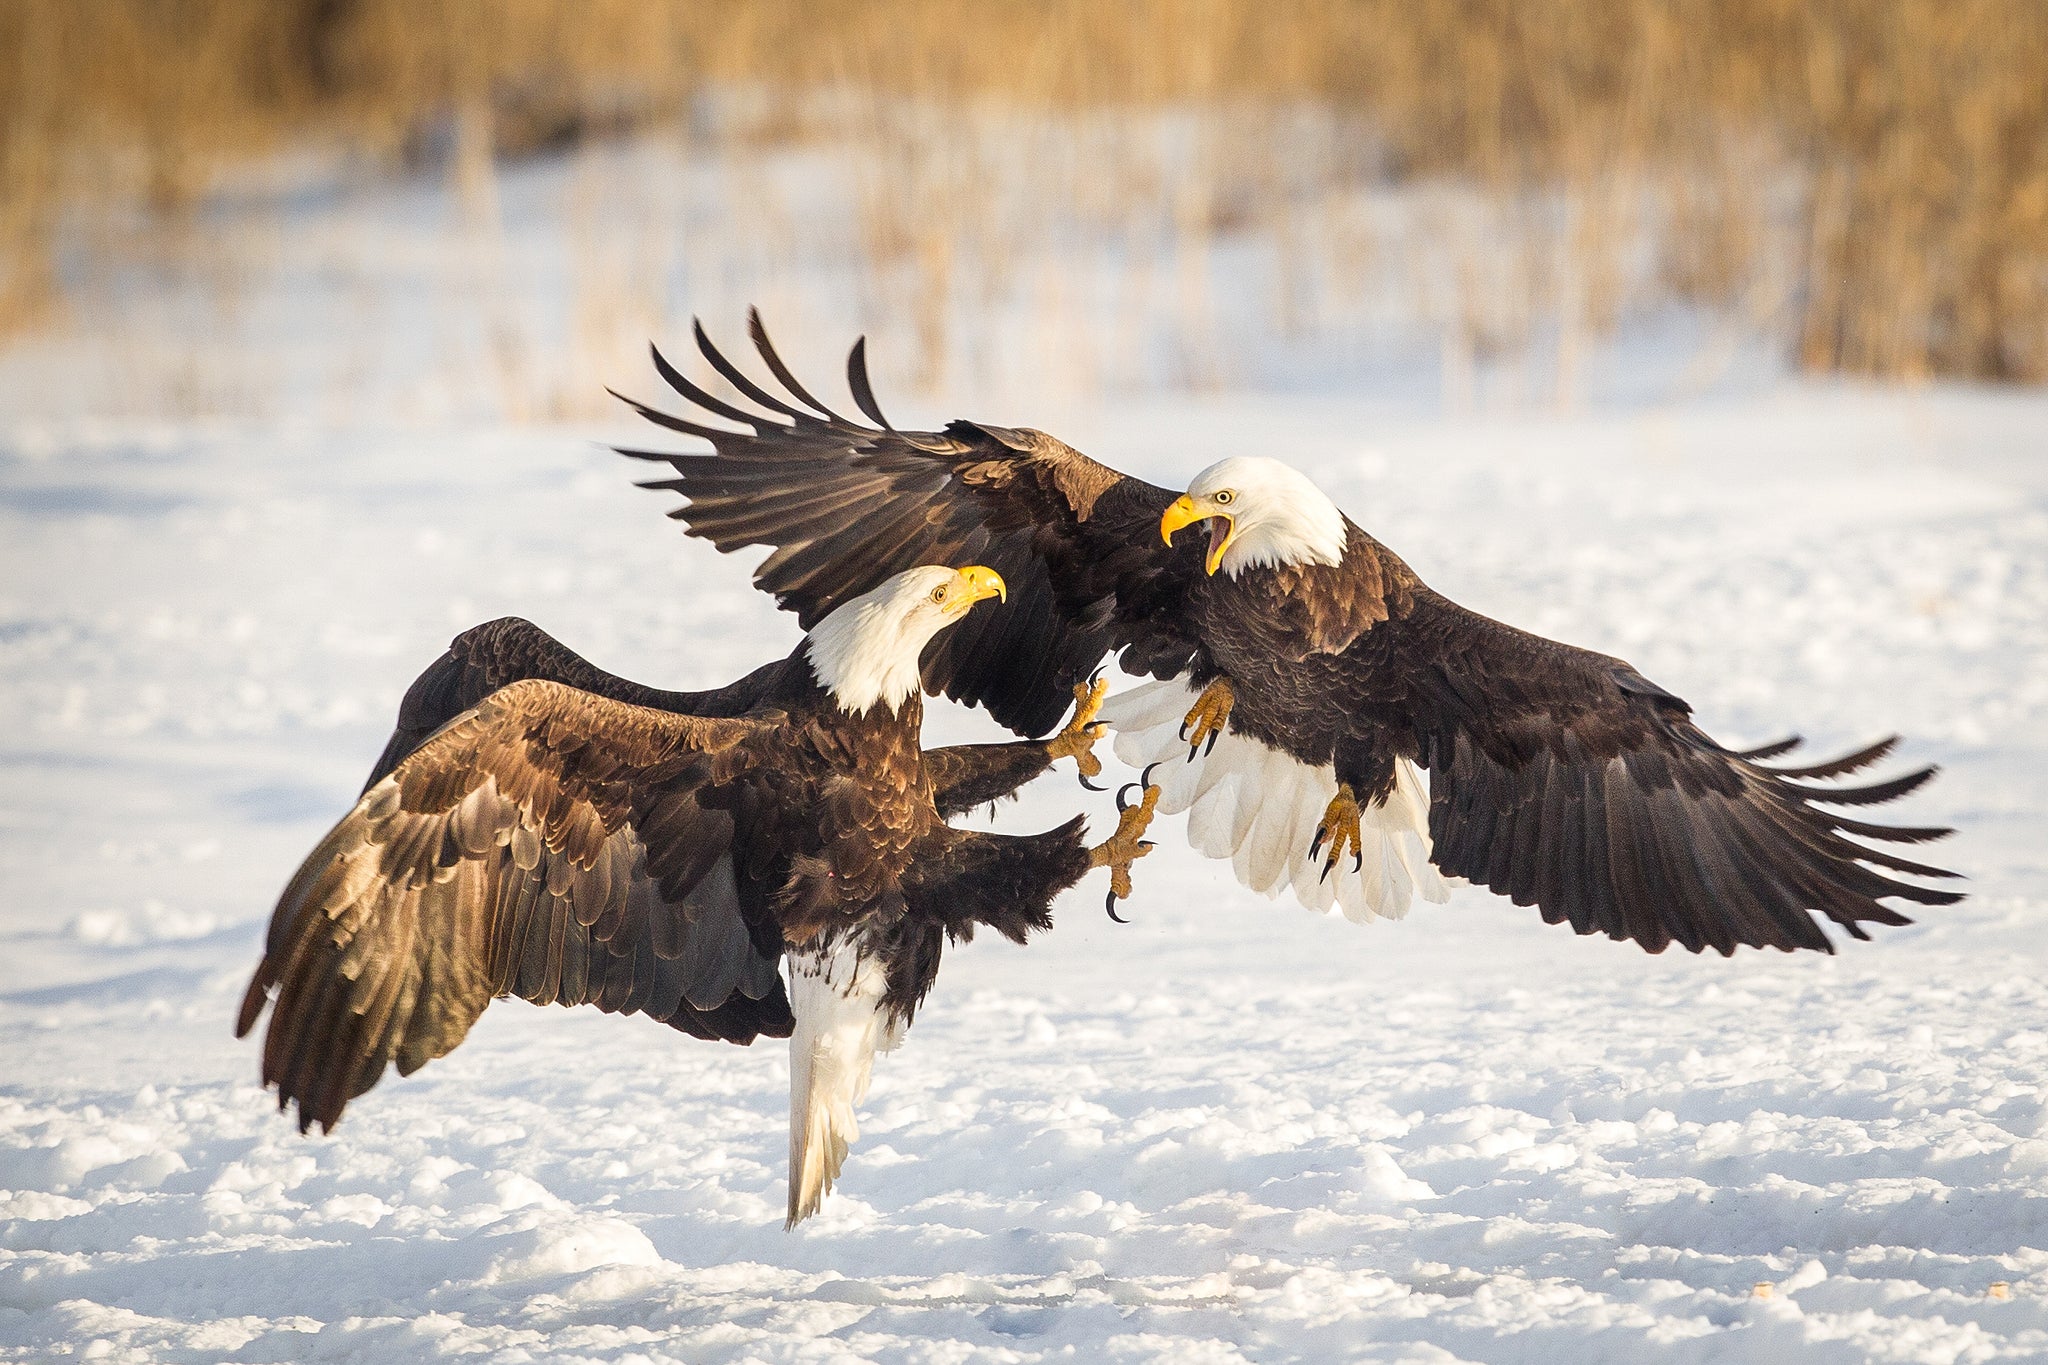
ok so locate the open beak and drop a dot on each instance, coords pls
(983, 582)
(1183, 513)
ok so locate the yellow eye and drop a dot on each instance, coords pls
(939, 594)
(1223, 498)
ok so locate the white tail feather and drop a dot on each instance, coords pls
(836, 997)
(1260, 808)
(1214, 826)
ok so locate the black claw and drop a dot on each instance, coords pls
(1184, 728)
(1194, 752)
(1090, 785)
(1109, 904)
(1145, 777)
(1316, 843)
(1214, 735)
(1096, 676)
(1122, 804)
(1146, 845)
(1328, 865)
(1357, 859)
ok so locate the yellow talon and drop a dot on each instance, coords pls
(1339, 830)
(1205, 721)
(1077, 741)
(1125, 846)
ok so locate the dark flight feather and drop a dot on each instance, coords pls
(863, 391)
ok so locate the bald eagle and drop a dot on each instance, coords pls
(540, 828)
(1307, 676)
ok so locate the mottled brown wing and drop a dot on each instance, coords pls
(847, 505)
(487, 657)
(1565, 779)
(1323, 608)
(549, 844)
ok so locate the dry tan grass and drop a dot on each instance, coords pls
(1872, 175)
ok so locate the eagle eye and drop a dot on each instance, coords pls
(1223, 498)
(939, 593)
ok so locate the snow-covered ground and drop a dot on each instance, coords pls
(1229, 1131)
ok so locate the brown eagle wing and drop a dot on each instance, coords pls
(487, 657)
(549, 844)
(1565, 779)
(846, 505)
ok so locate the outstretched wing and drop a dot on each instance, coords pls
(487, 657)
(549, 844)
(846, 505)
(1565, 779)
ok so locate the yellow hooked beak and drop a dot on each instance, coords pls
(982, 582)
(1183, 512)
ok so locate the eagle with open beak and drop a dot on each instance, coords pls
(1347, 731)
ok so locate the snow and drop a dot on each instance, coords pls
(1231, 1131)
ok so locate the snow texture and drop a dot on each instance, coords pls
(1231, 1131)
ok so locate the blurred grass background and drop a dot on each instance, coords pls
(1864, 182)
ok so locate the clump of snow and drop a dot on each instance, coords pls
(539, 1247)
(153, 922)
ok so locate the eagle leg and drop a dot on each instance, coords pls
(1205, 720)
(1339, 827)
(1124, 847)
(1077, 741)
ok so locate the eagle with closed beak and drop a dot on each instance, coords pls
(538, 827)
(1328, 722)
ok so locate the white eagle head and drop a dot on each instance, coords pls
(866, 650)
(1260, 512)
